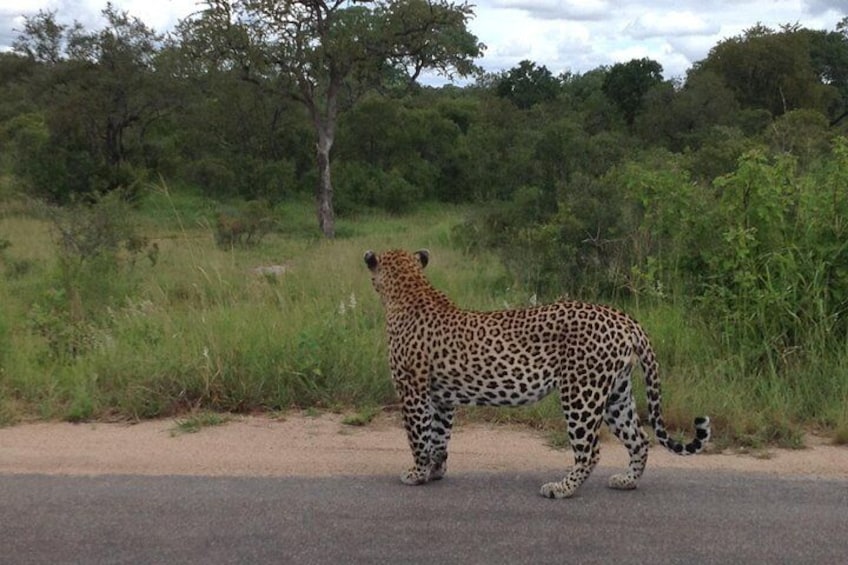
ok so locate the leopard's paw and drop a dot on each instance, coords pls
(438, 470)
(622, 481)
(557, 490)
(415, 477)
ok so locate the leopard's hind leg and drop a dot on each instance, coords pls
(583, 414)
(623, 422)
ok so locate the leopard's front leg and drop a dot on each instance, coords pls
(418, 421)
(442, 425)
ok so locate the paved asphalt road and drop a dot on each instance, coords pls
(674, 517)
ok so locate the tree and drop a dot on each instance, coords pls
(119, 60)
(15, 72)
(584, 94)
(99, 87)
(627, 83)
(527, 85)
(829, 56)
(229, 138)
(680, 117)
(325, 54)
(43, 39)
(778, 71)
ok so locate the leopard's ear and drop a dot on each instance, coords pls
(423, 256)
(371, 259)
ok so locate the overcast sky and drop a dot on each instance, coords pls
(563, 35)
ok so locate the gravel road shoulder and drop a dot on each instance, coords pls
(301, 445)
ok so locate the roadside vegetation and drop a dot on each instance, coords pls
(205, 328)
(160, 255)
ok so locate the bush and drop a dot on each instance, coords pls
(721, 148)
(88, 230)
(574, 242)
(97, 247)
(762, 251)
(270, 181)
(359, 185)
(245, 225)
(802, 133)
(780, 281)
(214, 177)
(47, 169)
(56, 170)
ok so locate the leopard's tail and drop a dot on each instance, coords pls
(648, 360)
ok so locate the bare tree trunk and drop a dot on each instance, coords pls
(325, 128)
(324, 188)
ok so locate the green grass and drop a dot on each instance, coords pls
(195, 422)
(200, 328)
(363, 416)
(200, 332)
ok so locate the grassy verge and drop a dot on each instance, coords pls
(195, 422)
(205, 329)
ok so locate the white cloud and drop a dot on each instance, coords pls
(161, 15)
(674, 33)
(819, 7)
(158, 14)
(559, 9)
(23, 6)
(693, 48)
(670, 24)
(575, 35)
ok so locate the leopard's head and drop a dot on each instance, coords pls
(397, 273)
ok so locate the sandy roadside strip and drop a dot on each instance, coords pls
(301, 445)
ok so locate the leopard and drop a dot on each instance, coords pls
(442, 356)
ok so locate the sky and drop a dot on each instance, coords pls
(563, 35)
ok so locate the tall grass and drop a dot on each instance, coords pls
(204, 328)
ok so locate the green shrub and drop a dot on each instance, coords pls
(245, 225)
(97, 245)
(214, 177)
(779, 282)
(360, 186)
(270, 181)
